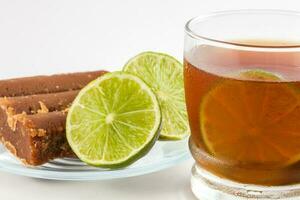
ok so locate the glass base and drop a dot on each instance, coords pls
(207, 186)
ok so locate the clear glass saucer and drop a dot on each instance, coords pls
(164, 154)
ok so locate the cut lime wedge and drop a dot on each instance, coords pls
(114, 121)
(164, 74)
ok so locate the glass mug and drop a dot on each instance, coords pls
(242, 87)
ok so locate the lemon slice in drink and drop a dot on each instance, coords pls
(258, 75)
(164, 74)
(114, 121)
(252, 122)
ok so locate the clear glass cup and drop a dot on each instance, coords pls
(242, 86)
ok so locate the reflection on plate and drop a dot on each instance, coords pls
(164, 154)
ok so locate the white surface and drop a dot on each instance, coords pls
(51, 36)
(170, 184)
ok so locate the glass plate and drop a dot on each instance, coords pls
(164, 154)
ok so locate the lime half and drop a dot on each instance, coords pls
(164, 74)
(114, 121)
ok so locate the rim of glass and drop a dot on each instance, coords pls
(205, 17)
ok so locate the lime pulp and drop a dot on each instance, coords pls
(114, 121)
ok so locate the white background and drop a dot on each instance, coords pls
(54, 36)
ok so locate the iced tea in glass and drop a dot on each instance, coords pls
(242, 85)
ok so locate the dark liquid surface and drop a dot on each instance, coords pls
(244, 113)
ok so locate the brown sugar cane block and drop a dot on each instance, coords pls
(37, 138)
(33, 127)
(40, 103)
(46, 84)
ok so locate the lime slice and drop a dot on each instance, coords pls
(114, 121)
(164, 74)
(252, 122)
(258, 75)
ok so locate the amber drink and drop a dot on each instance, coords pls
(243, 102)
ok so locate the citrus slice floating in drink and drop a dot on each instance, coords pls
(164, 74)
(113, 121)
(258, 75)
(251, 122)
